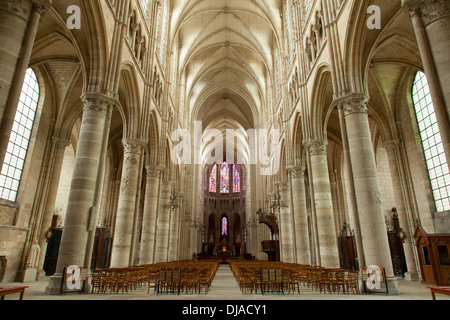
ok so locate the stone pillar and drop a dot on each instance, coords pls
(301, 234)
(326, 230)
(147, 253)
(81, 212)
(123, 254)
(431, 22)
(406, 223)
(163, 224)
(57, 157)
(174, 237)
(285, 218)
(370, 210)
(350, 188)
(19, 22)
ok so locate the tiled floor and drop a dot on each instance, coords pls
(225, 287)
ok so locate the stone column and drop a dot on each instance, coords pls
(163, 224)
(285, 218)
(81, 212)
(301, 235)
(147, 253)
(406, 223)
(431, 22)
(326, 230)
(57, 157)
(367, 190)
(19, 22)
(122, 253)
(174, 238)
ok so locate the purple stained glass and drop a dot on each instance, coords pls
(224, 178)
(224, 226)
(212, 179)
(236, 179)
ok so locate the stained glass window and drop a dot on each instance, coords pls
(224, 178)
(432, 144)
(13, 164)
(212, 179)
(224, 226)
(236, 179)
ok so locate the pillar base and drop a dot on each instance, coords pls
(54, 286)
(412, 276)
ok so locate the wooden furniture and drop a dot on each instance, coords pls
(286, 278)
(4, 291)
(441, 290)
(272, 248)
(434, 257)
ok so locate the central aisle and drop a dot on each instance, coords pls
(224, 285)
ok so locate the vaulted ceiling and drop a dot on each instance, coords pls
(226, 57)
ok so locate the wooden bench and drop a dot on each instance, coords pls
(4, 291)
(442, 290)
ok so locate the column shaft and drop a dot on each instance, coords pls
(147, 253)
(368, 197)
(301, 233)
(80, 213)
(59, 147)
(326, 230)
(122, 253)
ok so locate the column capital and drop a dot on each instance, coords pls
(296, 171)
(153, 171)
(41, 6)
(18, 8)
(317, 147)
(133, 145)
(390, 145)
(98, 101)
(60, 142)
(353, 103)
(429, 10)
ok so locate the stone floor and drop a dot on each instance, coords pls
(225, 287)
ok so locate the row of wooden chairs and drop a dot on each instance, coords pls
(169, 277)
(117, 280)
(281, 278)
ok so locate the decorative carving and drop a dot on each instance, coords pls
(19, 8)
(433, 10)
(133, 146)
(97, 102)
(317, 147)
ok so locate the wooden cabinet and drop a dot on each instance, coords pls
(434, 257)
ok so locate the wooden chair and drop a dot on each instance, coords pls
(98, 281)
(352, 281)
(152, 279)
